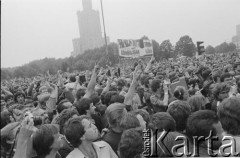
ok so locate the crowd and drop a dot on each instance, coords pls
(103, 113)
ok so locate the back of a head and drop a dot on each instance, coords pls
(121, 83)
(64, 116)
(200, 123)
(142, 80)
(206, 74)
(155, 85)
(129, 121)
(229, 112)
(179, 92)
(180, 111)
(145, 115)
(108, 96)
(220, 87)
(83, 105)
(168, 143)
(72, 78)
(146, 82)
(116, 99)
(43, 139)
(80, 93)
(162, 121)
(60, 106)
(74, 130)
(114, 113)
(95, 99)
(197, 102)
(225, 75)
(131, 144)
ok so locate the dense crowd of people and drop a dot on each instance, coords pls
(103, 113)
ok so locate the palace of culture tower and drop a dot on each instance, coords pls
(89, 29)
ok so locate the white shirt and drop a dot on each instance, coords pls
(102, 149)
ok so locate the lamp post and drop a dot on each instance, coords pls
(104, 28)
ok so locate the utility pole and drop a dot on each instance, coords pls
(104, 28)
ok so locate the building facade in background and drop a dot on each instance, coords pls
(89, 29)
(236, 39)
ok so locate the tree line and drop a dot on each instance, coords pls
(87, 60)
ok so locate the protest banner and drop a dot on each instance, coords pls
(135, 48)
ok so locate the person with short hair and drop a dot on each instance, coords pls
(159, 98)
(221, 92)
(143, 117)
(114, 113)
(129, 121)
(64, 104)
(202, 123)
(81, 133)
(79, 94)
(226, 77)
(85, 107)
(197, 102)
(229, 112)
(19, 97)
(131, 144)
(61, 120)
(47, 141)
(162, 121)
(9, 99)
(181, 93)
(180, 111)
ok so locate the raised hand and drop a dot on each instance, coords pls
(136, 73)
(165, 88)
(152, 59)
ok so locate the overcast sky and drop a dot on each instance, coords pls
(35, 29)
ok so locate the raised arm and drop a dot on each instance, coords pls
(51, 103)
(166, 97)
(149, 65)
(24, 143)
(106, 89)
(131, 91)
(30, 88)
(6, 91)
(60, 79)
(92, 83)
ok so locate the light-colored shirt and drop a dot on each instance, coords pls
(102, 149)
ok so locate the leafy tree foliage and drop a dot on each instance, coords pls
(210, 50)
(166, 49)
(185, 46)
(225, 47)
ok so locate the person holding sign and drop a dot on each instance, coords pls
(159, 98)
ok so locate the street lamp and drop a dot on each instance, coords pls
(104, 28)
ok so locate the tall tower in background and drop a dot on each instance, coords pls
(238, 30)
(236, 39)
(89, 29)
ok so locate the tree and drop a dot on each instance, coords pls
(145, 37)
(210, 50)
(5, 74)
(231, 47)
(185, 46)
(64, 66)
(166, 49)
